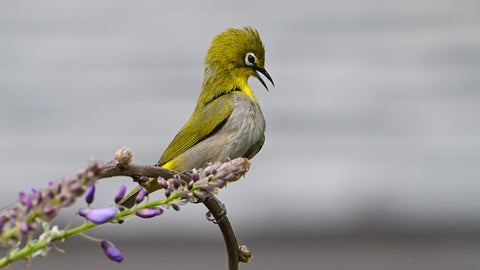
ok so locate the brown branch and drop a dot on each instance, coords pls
(41, 205)
(136, 171)
(215, 207)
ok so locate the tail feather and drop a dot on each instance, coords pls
(129, 200)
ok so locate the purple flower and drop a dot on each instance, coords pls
(177, 182)
(50, 211)
(66, 200)
(25, 199)
(1, 225)
(120, 194)
(162, 182)
(98, 215)
(76, 188)
(24, 227)
(218, 183)
(22, 196)
(141, 195)
(111, 251)
(90, 194)
(149, 213)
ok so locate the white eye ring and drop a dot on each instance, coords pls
(250, 59)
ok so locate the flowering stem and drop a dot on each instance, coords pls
(11, 232)
(116, 218)
(33, 247)
(36, 208)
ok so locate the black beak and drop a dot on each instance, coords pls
(264, 72)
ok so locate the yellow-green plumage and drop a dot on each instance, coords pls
(227, 121)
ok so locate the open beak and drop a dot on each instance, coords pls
(265, 73)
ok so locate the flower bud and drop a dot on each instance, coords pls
(149, 213)
(22, 196)
(90, 194)
(176, 183)
(25, 199)
(98, 215)
(66, 200)
(111, 251)
(124, 156)
(141, 194)
(162, 182)
(24, 228)
(76, 188)
(244, 254)
(121, 193)
(186, 196)
(195, 176)
(234, 169)
(49, 212)
(175, 207)
(95, 166)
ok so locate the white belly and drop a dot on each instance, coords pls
(243, 131)
(245, 128)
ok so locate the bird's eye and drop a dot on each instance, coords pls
(250, 59)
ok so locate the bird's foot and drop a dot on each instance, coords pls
(222, 214)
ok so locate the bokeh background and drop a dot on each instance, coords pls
(372, 149)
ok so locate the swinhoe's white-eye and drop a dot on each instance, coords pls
(227, 121)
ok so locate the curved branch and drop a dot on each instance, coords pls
(215, 207)
(22, 218)
(136, 171)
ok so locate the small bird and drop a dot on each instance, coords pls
(227, 121)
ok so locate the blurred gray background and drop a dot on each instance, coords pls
(372, 149)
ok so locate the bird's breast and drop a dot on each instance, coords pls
(245, 127)
(242, 135)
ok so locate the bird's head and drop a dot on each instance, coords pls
(237, 54)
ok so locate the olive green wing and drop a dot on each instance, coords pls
(254, 149)
(205, 120)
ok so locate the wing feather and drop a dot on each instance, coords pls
(205, 120)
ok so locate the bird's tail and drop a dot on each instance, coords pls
(129, 200)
